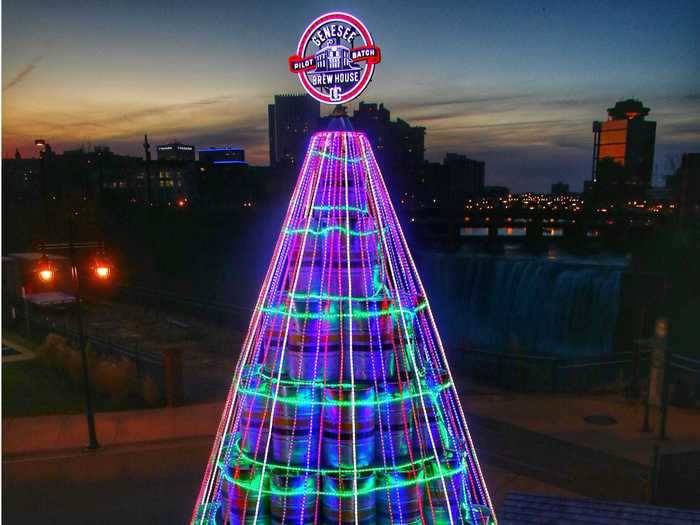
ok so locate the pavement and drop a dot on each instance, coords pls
(13, 351)
(151, 461)
(561, 416)
(557, 416)
(36, 436)
(146, 483)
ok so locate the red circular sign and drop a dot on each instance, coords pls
(335, 58)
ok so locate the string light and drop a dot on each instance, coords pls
(342, 391)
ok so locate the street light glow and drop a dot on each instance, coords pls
(45, 270)
(46, 275)
(101, 267)
(102, 271)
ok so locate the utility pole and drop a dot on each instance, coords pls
(102, 270)
(44, 152)
(75, 274)
(147, 150)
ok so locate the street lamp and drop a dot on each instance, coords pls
(102, 270)
(44, 151)
(45, 270)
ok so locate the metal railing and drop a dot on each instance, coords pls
(147, 362)
(200, 307)
(533, 373)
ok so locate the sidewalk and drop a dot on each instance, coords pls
(14, 350)
(561, 416)
(558, 416)
(532, 443)
(23, 436)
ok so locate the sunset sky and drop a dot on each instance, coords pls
(516, 84)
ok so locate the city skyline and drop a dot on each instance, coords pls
(490, 83)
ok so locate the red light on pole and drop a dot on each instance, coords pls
(102, 268)
(102, 272)
(45, 270)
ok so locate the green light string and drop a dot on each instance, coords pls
(421, 479)
(364, 211)
(243, 458)
(328, 229)
(335, 157)
(258, 372)
(378, 273)
(305, 400)
(377, 282)
(206, 513)
(330, 297)
(358, 315)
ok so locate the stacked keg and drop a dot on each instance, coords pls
(334, 424)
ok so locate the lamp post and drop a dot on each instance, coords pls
(45, 270)
(102, 270)
(44, 152)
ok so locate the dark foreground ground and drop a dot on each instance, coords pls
(150, 468)
(150, 484)
(147, 485)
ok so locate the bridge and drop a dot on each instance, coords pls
(535, 228)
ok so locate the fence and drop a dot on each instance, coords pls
(200, 307)
(684, 380)
(678, 479)
(536, 373)
(147, 363)
(521, 372)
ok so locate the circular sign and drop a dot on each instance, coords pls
(335, 58)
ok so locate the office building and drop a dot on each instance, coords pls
(222, 155)
(292, 119)
(398, 147)
(560, 188)
(465, 179)
(623, 153)
(176, 152)
(687, 185)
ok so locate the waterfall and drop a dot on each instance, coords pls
(525, 304)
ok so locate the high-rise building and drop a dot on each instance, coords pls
(398, 147)
(465, 179)
(176, 151)
(560, 188)
(223, 155)
(291, 121)
(431, 186)
(623, 152)
(687, 185)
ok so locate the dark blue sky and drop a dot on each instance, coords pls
(514, 83)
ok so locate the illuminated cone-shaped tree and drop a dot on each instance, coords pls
(342, 408)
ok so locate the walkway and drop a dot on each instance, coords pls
(14, 351)
(532, 443)
(561, 416)
(23, 436)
